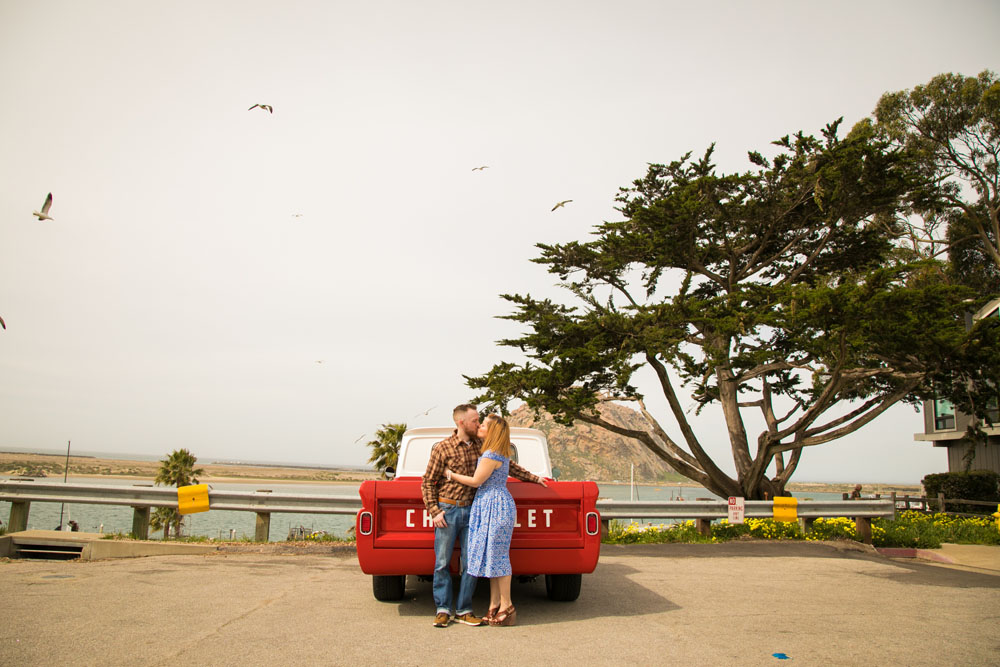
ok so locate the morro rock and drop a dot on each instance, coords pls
(587, 452)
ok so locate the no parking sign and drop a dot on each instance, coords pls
(736, 508)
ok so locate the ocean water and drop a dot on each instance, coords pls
(220, 524)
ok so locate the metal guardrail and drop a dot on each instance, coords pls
(760, 509)
(166, 496)
(21, 493)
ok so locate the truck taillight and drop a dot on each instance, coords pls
(365, 523)
(593, 523)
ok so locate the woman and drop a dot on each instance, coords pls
(491, 519)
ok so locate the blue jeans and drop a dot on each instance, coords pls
(457, 519)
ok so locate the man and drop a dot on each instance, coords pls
(448, 505)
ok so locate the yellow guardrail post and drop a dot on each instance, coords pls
(192, 499)
(786, 508)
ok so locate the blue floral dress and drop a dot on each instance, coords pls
(491, 524)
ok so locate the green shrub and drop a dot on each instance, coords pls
(836, 528)
(620, 532)
(981, 485)
(323, 536)
(910, 529)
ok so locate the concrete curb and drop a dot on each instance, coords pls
(93, 546)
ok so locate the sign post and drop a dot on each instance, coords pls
(737, 507)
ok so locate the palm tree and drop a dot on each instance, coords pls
(161, 518)
(385, 446)
(175, 470)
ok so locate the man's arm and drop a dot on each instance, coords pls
(517, 472)
(429, 485)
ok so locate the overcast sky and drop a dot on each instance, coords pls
(203, 258)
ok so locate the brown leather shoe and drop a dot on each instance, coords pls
(442, 620)
(469, 619)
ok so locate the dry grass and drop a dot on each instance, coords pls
(51, 465)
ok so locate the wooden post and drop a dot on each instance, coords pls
(605, 527)
(864, 527)
(140, 523)
(893, 505)
(704, 527)
(18, 516)
(263, 530)
(941, 503)
(844, 495)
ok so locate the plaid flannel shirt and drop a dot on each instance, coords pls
(461, 457)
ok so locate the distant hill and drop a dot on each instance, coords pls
(585, 452)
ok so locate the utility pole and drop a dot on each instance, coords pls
(65, 477)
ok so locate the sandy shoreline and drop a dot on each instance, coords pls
(52, 466)
(42, 466)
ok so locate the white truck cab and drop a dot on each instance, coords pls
(530, 450)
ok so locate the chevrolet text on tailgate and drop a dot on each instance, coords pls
(557, 533)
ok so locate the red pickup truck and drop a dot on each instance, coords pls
(557, 533)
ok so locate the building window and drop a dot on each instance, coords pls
(993, 411)
(944, 415)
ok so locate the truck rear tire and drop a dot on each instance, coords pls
(388, 588)
(563, 587)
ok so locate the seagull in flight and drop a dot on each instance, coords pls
(561, 204)
(485, 166)
(425, 412)
(2, 323)
(360, 438)
(266, 107)
(296, 215)
(44, 215)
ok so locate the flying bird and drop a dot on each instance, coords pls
(296, 215)
(425, 412)
(266, 107)
(360, 438)
(485, 166)
(44, 215)
(561, 204)
(2, 323)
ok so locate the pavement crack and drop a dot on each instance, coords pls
(217, 630)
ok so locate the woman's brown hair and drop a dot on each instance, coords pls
(497, 436)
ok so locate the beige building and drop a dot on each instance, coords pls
(945, 427)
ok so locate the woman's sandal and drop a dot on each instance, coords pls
(491, 614)
(506, 617)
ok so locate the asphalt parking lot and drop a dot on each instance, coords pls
(749, 603)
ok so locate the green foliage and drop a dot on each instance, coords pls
(162, 518)
(385, 446)
(761, 529)
(620, 532)
(777, 291)
(971, 379)
(323, 536)
(981, 485)
(177, 469)
(951, 128)
(835, 528)
(908, 530)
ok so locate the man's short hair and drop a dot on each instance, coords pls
(462, 409)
